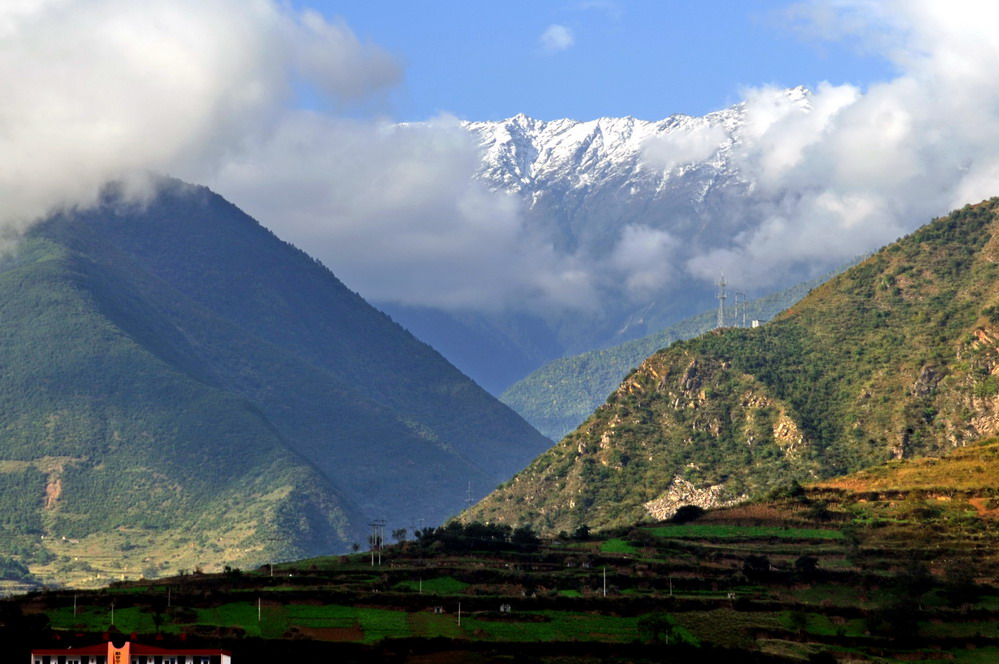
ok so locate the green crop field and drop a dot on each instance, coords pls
(444, 585)
(555, 626)
(617, 545)
(697, 531)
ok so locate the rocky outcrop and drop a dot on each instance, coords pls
(681, 492)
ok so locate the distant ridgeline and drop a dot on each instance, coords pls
(896, 357)
(180, 388)
(560, 395)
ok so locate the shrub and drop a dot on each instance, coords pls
(687, 513)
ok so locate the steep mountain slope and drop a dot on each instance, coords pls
(556, 398)
(896, 357)
(174, 371)
(591, 188)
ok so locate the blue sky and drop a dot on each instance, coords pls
(486, 59)
(903, 122)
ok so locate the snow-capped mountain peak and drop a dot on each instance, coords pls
(523, 154)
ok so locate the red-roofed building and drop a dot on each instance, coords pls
(130, 653)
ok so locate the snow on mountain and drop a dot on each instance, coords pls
(588, 181)
(522, 154)
(633, 202)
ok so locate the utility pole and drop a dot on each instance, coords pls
(721, 301)
(377, 533)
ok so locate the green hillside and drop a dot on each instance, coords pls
(896, 357)
(898, 563)
(181, 388)
(559, 396)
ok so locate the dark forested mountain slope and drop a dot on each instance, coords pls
(896, 357)
(174, 374)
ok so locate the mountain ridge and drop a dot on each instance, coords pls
(895, 357)
(590, 190)
(183, 387)
(560, 395)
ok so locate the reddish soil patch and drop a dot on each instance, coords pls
(447, 657)
(983, 511)
(333, 633)
(846, 484)
(52, 491)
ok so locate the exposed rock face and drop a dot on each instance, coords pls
(681, 492)
(895, 358)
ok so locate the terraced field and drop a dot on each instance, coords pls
(848, 572)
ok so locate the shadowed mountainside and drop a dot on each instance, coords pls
(180, 385)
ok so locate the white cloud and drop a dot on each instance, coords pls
(865, 167)
(99, 89)
(557, 38)
(643, 256)
(684, 147)
(95, 90)
(394, 209)
(610, 9)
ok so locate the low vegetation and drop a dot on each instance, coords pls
(897, 357)
(180, 388)
(880, 566)
(560, 395)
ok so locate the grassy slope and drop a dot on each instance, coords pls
(895, 357)
(559, 396)
(180, 388)
(242, 274)
(909, 574)
(113, 439)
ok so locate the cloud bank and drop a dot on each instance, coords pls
(204, 89)
(103, 89)
(395, 209)
(863, 167)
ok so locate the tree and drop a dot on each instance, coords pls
(687, 513)
(960, 578)
(399, 535)
(790, 490)
(799, 621)
(754, 565)
(524, 538)
(806, 566)
(653, 626)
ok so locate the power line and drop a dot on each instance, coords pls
(721, 301)
(377, 537)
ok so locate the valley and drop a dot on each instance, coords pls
(555, 333)
(898, 563)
